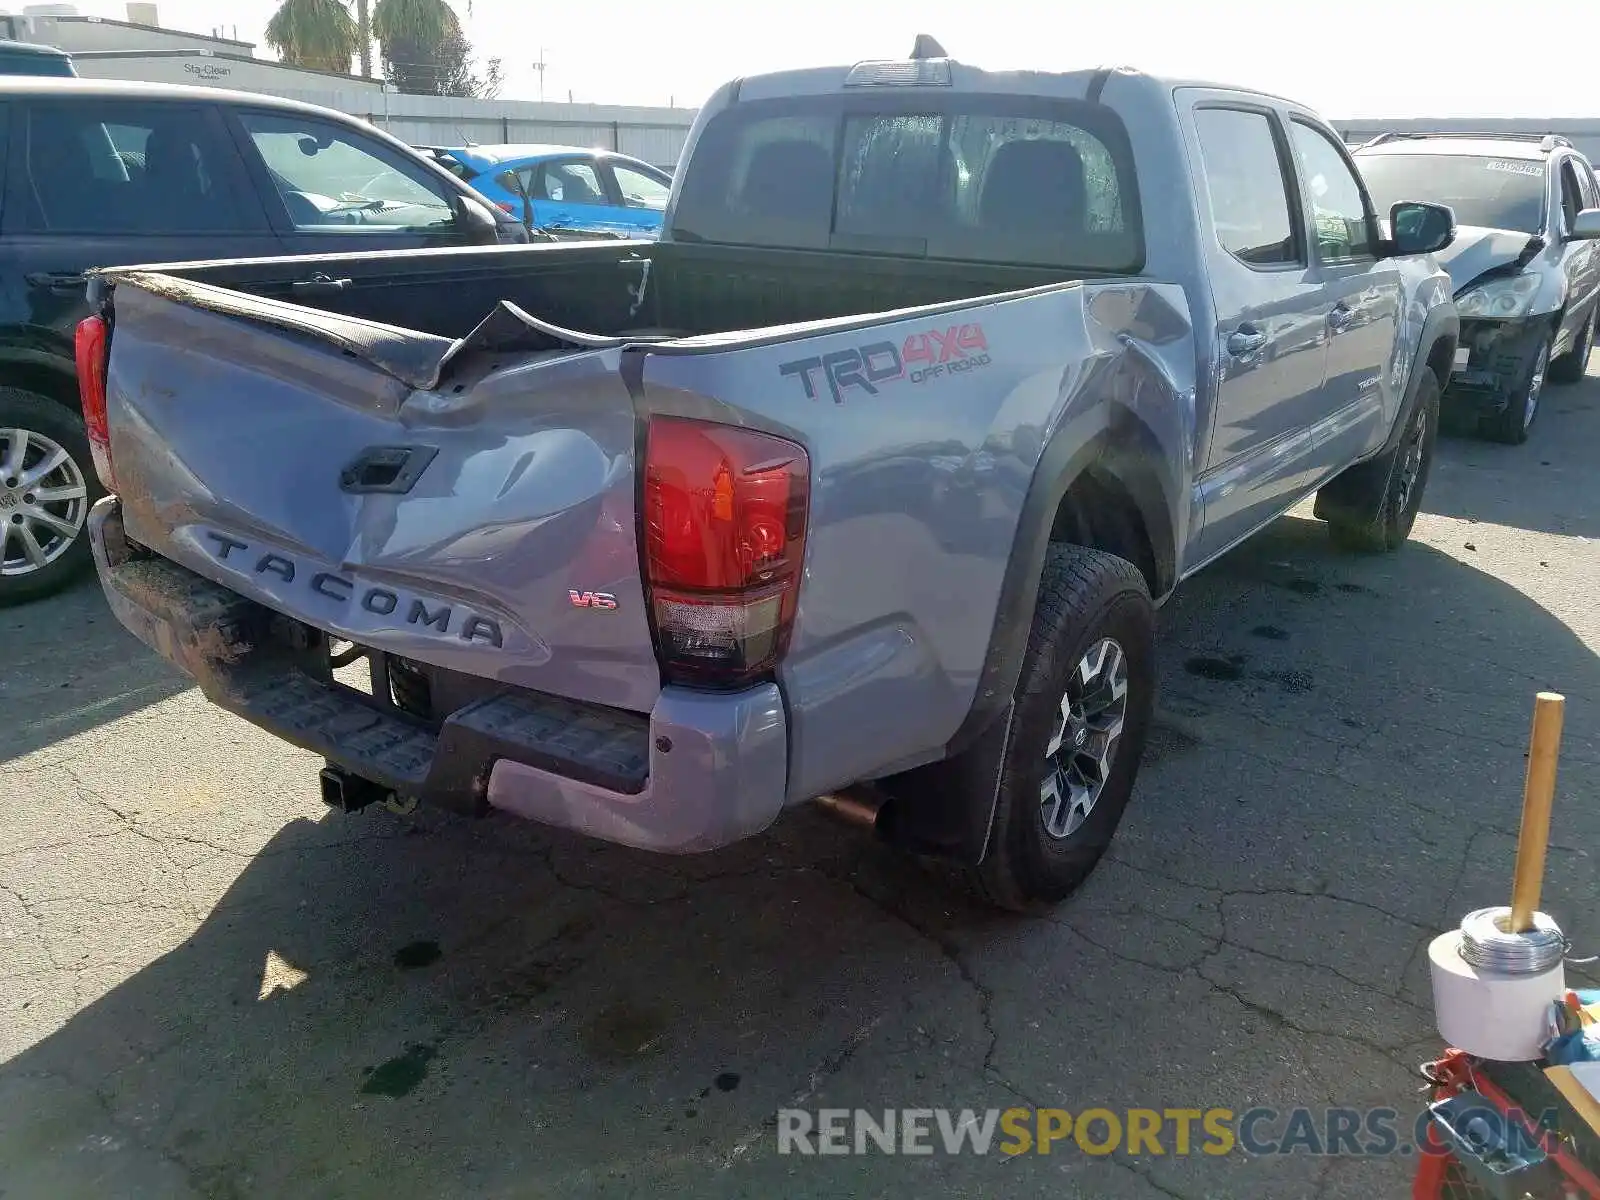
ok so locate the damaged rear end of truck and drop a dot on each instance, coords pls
(650, 541)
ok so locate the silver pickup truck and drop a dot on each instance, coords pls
(865, 480)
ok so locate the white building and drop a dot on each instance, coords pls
(139, 48)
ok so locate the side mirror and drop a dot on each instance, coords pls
(1416, 228)
(474, 222)
(1586, 225)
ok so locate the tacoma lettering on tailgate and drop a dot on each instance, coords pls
(424, 613)
(921, 357)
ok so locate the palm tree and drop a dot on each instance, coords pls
(425, 21)
(412, 34)
(319, 34)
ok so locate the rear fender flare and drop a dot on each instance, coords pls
(1129, 453)
(946, 808)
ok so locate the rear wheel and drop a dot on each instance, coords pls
(1083, 709)
(1512, 424)
(1373, 505)
(47, 486)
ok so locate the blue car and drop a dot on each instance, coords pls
(571, 188)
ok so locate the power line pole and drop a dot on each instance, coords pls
(539, 67)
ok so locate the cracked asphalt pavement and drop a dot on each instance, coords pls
(209, 986)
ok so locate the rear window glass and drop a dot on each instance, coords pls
(983, 178)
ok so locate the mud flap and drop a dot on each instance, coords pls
(1356, 495)
(946, 809)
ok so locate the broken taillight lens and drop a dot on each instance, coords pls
(89, 350)
(725, 513)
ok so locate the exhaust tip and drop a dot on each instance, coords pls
(854, 807)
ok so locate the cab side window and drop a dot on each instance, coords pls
(1341, 227)
(1572, 199)
(1252, 205)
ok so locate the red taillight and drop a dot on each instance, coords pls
(725, 514)
(89, 348)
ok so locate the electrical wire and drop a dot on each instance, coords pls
(1487, 943)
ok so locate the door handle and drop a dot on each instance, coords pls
(1246, 339)
(56, 281)
(1341, 317)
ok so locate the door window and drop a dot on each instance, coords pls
(1252, 205)
(1341, 225)
(333, 180)
(98, 167)
(640, 190)
(569, 183)
(1571, 193)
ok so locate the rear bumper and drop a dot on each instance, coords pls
(700, 771)
(1499, 358)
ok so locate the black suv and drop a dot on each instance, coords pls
(1525, 264)
(106, 173)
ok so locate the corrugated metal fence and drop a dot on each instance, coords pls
(655, 135)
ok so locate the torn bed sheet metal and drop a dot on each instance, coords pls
(415, 358)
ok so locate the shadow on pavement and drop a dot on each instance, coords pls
(1545, 485)
(435, 1007)
(68, 667)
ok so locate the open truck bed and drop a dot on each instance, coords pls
(580, 295)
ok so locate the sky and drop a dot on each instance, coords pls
(1355, 58)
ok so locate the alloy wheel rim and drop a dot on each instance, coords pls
(1083, 742)
(1530, 405)
(1411, 464)
(43, 501)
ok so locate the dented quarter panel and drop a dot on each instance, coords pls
(919, 483)
(223, 437)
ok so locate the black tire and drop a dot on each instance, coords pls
(36, 414)
(1372, 507)
(1513, 423)
(1572, 365)
(1085, 596)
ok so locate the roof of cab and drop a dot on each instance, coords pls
(484, 158)
(481, 158)
(136, 90)
(9, 47)
(963, 77)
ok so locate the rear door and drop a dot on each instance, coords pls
(640, 196)
(94, 182)
(1270, 307)
(572, 193)
(330, 189)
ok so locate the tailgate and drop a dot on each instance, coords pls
(485, 526)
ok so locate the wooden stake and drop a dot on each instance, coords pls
(1538, 793)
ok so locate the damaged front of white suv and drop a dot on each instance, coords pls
(1524, 265)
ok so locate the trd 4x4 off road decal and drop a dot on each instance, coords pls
(921, 357)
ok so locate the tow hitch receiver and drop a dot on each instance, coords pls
(350, 793)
